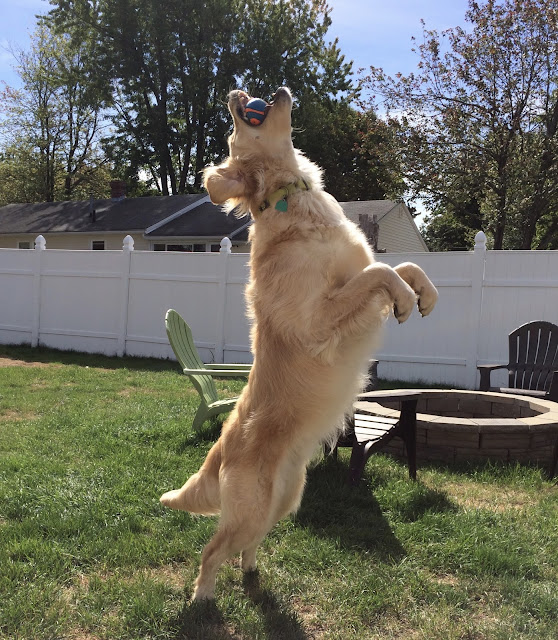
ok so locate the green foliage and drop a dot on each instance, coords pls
(51, 128)
(356, 149)
(87, 445)
(172, 69)
(136, 90)
(478, 124)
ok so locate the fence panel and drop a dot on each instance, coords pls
(114, 302)
(188, 283)
(519, 286)
(236, 325)
(80, 300)
(16, 295)
(436, 348)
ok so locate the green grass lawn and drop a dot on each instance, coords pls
(88, 444)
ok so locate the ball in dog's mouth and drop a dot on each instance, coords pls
(253, 110)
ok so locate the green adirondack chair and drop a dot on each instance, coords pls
(201, 375)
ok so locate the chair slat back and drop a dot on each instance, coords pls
(182, 343)
(533, 350)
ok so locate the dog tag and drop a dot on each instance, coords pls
(281, 205)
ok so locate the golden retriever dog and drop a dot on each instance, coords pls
(318, 302)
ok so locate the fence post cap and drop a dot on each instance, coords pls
(128, 243)
(40, 243)
(226, 245)
(480, 240)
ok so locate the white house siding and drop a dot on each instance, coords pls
(113, 241)
(75, 241)
(398, 232)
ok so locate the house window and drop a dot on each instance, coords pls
(197, 247)
(98, 245)
(215, 248)
(25, 244)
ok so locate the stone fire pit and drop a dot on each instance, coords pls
(472, 425)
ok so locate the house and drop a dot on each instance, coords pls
(389, 225)
(175, 223)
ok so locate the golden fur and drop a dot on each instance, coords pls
(318, 301)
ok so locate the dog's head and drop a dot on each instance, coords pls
(272, 138)
(261, 158)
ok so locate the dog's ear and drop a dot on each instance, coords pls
(223, 183)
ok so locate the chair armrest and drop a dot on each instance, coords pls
(219, 373)
(224, 367)
(485, 370)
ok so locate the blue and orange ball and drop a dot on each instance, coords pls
(255, 111)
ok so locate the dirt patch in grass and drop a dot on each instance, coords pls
(171, 574)
(475, 495)
(446, 580)
(80, 634)
(16, 416)
(310, 618)
(12, 362)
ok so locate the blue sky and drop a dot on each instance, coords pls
(371, 32)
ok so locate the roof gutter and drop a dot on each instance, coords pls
(176, 214)
(237, 231)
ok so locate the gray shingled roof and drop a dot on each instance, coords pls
(139, 214)
(129, 214)
(205, 220)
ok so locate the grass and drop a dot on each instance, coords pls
(87, 445)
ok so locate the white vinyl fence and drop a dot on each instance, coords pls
(114, 302)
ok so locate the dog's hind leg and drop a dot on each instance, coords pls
(286, 503)
(248, 557)
(200, 494)
(246, 517)
(230, 539)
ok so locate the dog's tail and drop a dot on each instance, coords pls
(201, 492)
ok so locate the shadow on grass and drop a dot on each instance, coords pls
(353, 516)
(204, 620)
(210, 432)
(279, 621)
(25, 353)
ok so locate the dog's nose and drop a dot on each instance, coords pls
(281, 93)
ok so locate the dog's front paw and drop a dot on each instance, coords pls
(404, 302)
(427, 298)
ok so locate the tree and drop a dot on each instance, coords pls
(172, 68)
(52, 126)
(478, 123)
(355, 148)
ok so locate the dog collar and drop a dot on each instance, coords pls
(278, 199)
